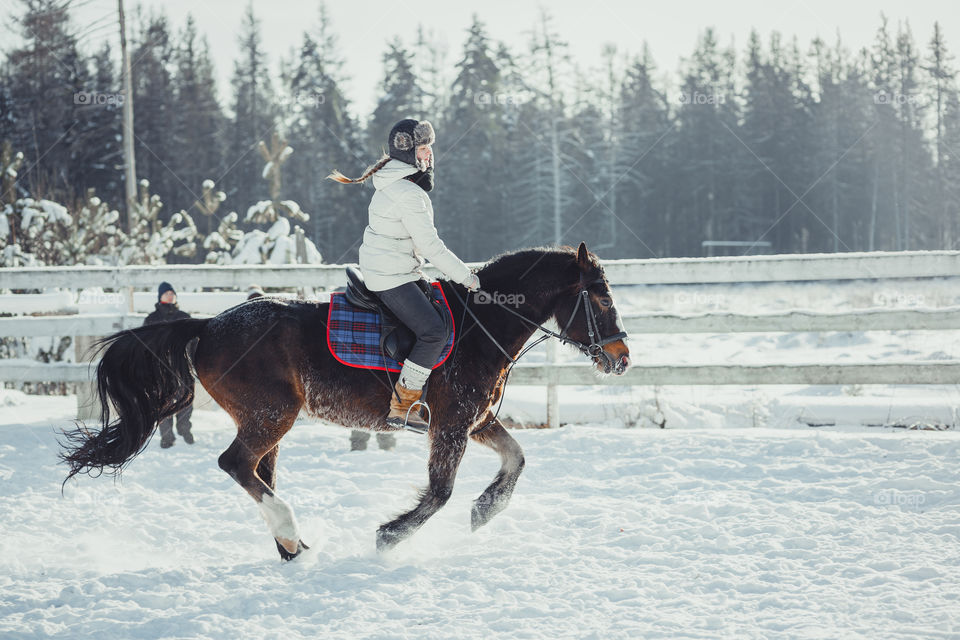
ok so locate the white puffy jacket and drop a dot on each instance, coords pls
(400, 233)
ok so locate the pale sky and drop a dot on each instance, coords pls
(669, 27)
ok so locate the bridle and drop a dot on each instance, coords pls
(594, 348)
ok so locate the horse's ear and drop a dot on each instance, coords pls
(583, 260)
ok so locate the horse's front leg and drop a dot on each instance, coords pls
(446, 451)
(495, 497)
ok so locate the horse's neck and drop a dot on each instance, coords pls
(533, 296)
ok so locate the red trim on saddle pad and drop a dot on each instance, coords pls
(351, 321)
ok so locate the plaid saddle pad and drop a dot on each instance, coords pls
(353, 334)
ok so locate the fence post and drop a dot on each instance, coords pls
(553, 398)
(87, 405)
(301, 244)
(301, 258)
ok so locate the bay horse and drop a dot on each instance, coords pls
(266, 359)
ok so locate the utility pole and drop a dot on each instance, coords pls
(129, 162)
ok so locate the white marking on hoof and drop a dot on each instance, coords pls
(279, 517)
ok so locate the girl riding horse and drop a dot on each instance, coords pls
(262, 363)
(399, 235)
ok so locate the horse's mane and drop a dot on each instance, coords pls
(517, 262)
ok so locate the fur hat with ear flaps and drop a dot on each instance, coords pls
(406, 136)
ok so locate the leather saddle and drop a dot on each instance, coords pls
(396, 339)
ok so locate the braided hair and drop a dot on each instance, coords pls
(342, 179)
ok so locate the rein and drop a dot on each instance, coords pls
(594, 349)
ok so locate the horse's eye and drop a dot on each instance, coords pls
(606, 303)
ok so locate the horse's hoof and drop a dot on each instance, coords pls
(484, 508)
(476, 519)
(285, 555)
(387, 539)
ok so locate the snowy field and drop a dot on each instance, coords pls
(612, 533)
(766, 511)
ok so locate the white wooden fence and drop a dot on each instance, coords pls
(874, 269)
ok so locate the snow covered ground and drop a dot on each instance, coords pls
(739, 519)
(612, 533)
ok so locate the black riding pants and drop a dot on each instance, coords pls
(409, 303)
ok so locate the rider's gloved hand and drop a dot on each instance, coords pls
(473, 283)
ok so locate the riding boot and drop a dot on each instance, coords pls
(401, 415)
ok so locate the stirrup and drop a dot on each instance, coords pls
(410, 427)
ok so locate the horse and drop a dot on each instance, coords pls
(266, 359)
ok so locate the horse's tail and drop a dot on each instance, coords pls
(143, 376)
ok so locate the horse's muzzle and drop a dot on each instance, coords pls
(613, 358)
(623, 363)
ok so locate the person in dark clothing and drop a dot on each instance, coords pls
(167, 310)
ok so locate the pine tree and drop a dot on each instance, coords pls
(9, 122)
(830, 126)
(950, 161)
(254, 115)
(429, 59)
(469, 146)
(155, 106)
(942, 76)
(400, 95)
(708, 151)
(641, 167)
(97, 156)
(198, 123)
(884, 228)
(851, 154)
(46, 89)
(775, 136)
(913, 159)
(589, 208)
(327, 137)
(517, 170)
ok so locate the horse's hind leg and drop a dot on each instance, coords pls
(446, 451)
(495, 497)
(251, 460)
